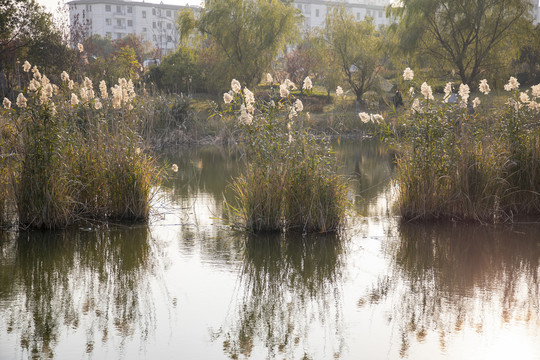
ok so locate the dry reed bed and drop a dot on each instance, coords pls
(73, 151)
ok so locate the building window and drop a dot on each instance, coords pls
(88, 7)
(108, 22)
(169, 38)
(107, 7)
(144, 14)
(118, 22)
(316, 12)
(108, 35)
(129, 9)
(380, 14)
(143, 29)
(153, 11)
(130, 22)
(119, 35)
(169, 26)
(154, 24)
(357, 16)
(154, 37)
(118, 8)
(369, 13)
(168, 13)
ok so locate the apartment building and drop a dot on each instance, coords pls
(315, 11)
(115, 19)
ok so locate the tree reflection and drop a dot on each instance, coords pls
(206, 169)
(290, 287)
(369, 165)
(94, 282)
(447, 278)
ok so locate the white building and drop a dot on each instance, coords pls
(315, 11)
(115, 19)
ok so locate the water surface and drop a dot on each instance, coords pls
(189, 287)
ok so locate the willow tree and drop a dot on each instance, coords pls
(247, 34)
(356, 47)
(470, 36)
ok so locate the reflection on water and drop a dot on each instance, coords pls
(52, 282)
(290, 288)
(369, 166)
(187, 286)
(452, 279)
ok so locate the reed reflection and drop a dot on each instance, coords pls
(290, 287)
(448, 278)
(369, 165)
(93, 282)
(204, 169)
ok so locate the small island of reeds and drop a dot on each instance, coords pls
(460, 161)
(290, 181)
(72, 152)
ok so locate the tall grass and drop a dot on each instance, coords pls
(481, 165)
(75, 155)
(290, 181)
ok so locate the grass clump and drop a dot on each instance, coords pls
(75, 155)
(466, 163)
(290, 181)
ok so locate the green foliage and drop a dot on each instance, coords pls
(469, 36)
(126, 64)
(246, 36)
(142, 49)
(328, 72)
(98, 46)
(121, 63)
(177, 73)
(356, 47)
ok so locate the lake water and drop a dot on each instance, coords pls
(188, 287)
